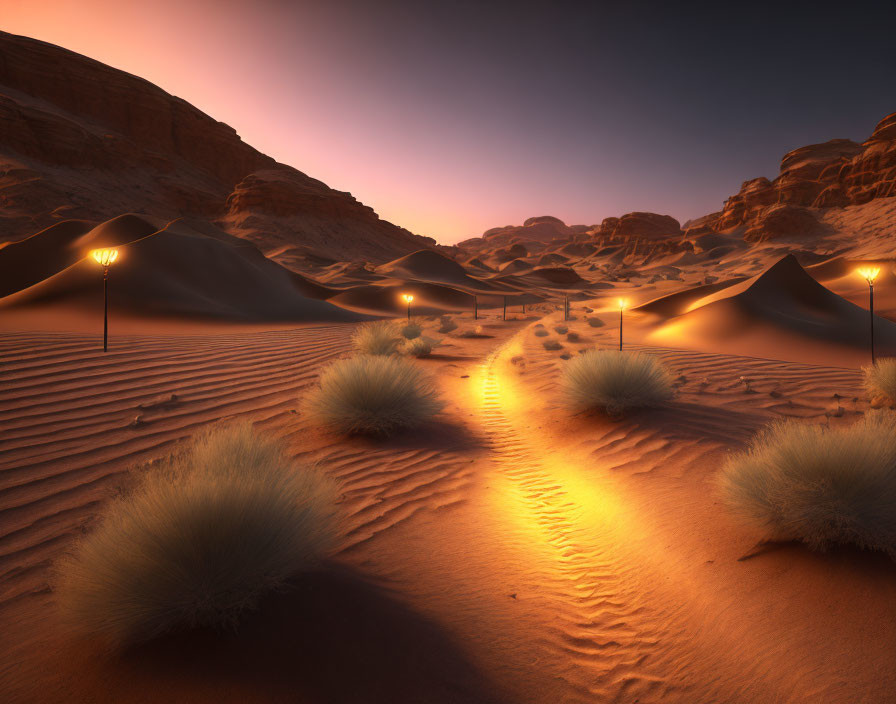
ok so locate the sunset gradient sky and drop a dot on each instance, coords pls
(451, 118)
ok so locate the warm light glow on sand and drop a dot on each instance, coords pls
(105, 256)
(869, 273)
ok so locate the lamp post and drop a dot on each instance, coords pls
(505, 308)
(105, 258)
(621, 308)
(869, 273)
(475, 308)
(407, 298)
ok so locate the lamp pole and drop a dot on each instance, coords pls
(106, 308)
(505, 308)
(621, 308)
(105, 258)
(870, 273)
(475, 308)
(871, 314)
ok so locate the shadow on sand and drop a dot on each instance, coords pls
(334, 637)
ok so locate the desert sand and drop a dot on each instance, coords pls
(512, 550)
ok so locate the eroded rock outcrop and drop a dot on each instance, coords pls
(79, 139)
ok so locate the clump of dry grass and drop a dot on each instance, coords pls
(561, 329)
(820, 485)
(478, 331)
(615, 382)
(373, 395)
(552, 345)
(199, 542)
(573, 337)
(595, 322)
(411, 330)
(419, 347)
(880, 379)
(380, 337)
(541, 332)
(447, 324)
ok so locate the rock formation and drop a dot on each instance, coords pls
(79, 139)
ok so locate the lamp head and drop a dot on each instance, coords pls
(869, 273)
(407, 297)
(622, 303)
(105, 256)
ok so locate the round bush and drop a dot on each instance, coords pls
(447, 325)
(199, 542)
(373, 395)
(615, 382)
(561, 329)
(552, 345)
(820, 485)
(412, 330)
(541, 332)
(380, 337)
(880, 379)
(419, 347)
(595, 322)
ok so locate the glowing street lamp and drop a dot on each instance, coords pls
(407, 299)
(105, 258)
(869, 273)
(621, 308)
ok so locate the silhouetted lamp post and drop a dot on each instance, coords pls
(105, 257)
(870, 273)
(407, 299)
(621, 308)
(475, 308)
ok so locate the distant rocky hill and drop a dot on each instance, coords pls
(813, 181)
(82, 140)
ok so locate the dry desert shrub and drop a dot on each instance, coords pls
(552, 345)
(447, 324)
(573, 337)
(880, 379)
(380, 337)
(198, 542)
(595, 322)
(541, 332)
(419, 347)
(478, 331)
(411, 330)
(561, 329)
(615, 382)
(820, 485)
(373, 395)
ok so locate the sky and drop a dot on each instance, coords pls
(449, 118)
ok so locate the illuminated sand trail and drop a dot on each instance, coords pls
(597, 629)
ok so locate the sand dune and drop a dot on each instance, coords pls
(781, 313)
(165, 269)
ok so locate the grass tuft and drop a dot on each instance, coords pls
(541, 332)
(595, 322)
(447, 324)
(199, 542)
(380, 337)
(561, 329)
(373, 395)
(419, 347)
(615, 382)
(820, 485)
(411, 330)
(880, 379)
(552, 345)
